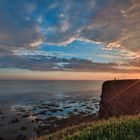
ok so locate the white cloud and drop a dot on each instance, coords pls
(36, 43)
(64, 26)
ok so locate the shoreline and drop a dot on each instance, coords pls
(26, 122)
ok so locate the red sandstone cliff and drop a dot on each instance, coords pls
(120, 97)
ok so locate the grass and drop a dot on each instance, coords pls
(123, 128)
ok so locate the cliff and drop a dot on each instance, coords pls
(120, 97)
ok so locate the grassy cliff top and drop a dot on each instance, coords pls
(123, 128)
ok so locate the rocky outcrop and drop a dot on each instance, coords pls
(120, 97)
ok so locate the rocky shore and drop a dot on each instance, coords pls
(22, 122)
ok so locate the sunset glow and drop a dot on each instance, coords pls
(62, 75)
(46, 40)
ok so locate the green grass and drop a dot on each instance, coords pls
(123, 128)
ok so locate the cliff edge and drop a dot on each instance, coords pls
(120, 97)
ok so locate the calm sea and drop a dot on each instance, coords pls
(24, 92)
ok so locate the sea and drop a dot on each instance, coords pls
(42, 107)
(13, 92)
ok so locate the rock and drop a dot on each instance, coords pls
(1, 112)
(21, 137)
(66, 106)
(1, 138)
(120, 97)
(3, 117)
(25, 115)
(16, 120)
(55, 110)
(89, 108)
(42, 112)
(23, 128)
(41, 123)
(75, 110)
(51, 119)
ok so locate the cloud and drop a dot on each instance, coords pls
(36, 43)
(17, 27)
(114, 23)
(52, 63)
(30, 24)
(114, 29)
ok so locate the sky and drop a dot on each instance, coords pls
(69, 39)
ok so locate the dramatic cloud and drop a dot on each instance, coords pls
(17, 27)
(31, 24)
(49, 63)
(113, 23)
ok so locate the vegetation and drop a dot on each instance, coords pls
(123, 128)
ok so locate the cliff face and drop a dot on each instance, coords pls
(120, 97)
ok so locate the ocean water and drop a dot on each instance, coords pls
(14, 92)
(43, 105)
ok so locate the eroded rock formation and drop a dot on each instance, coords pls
(120, 97)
